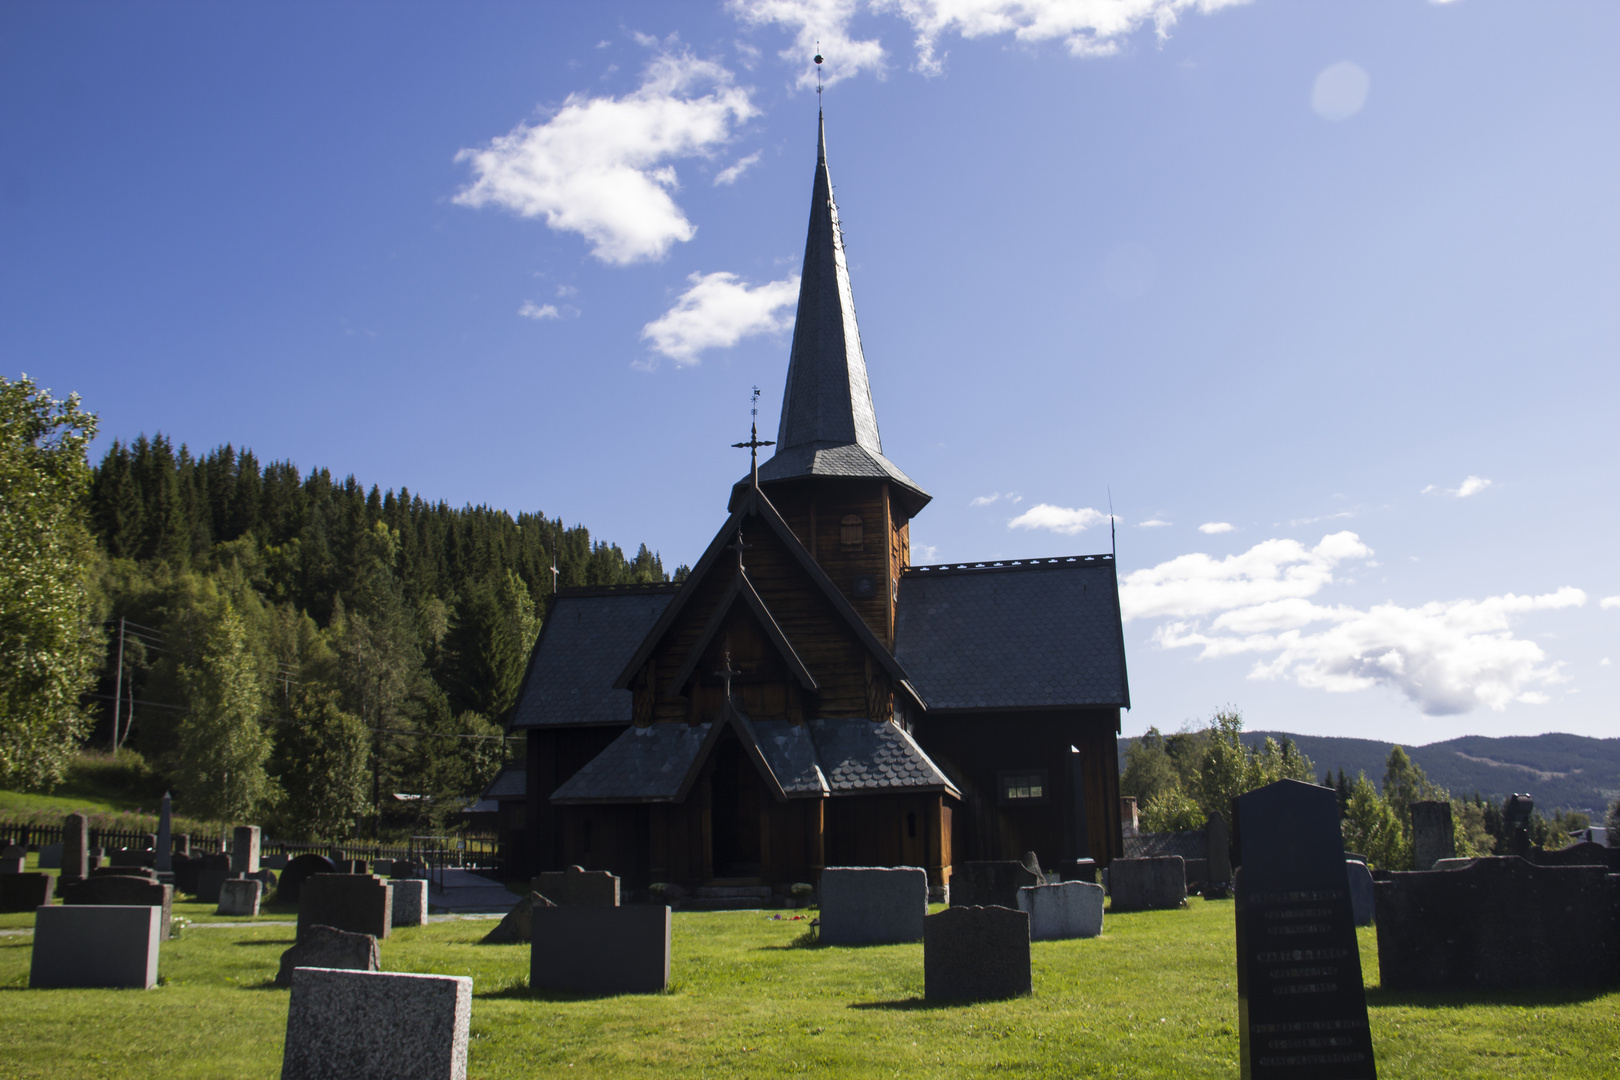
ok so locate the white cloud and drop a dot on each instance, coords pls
(531, 310)
(1610, 602)
(1058, 519)
(600, 167)
(718, 311)
(926, 553)
(1196, 584)
(810, 21)
(1151, 523)
(1086, 27)
(567, 292)
(1604, 662)
(1211, 528)
(1340, 90)
(730, 173)
(997, 496)
(1471, 485)
(1447, 657)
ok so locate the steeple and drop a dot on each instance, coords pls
(829, 427)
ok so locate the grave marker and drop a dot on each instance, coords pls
(240, 896)
(376, 1026)
(96, 946)
(327, 947)
(101, 890)
(164, 847)
(1432, 837)
(1148, 884)
(577, 886)
(358, 903)
(599, 949)
(873, 905)
(290, 888)
(976, 884)
(245, 850)
(75, 847)
(410, 903)
(25, 892)
(1073, 909)
(1302, 1010)
(976, 954)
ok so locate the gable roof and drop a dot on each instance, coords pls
(829, 426)
(1038, 633)
(512, 782)
(581, 647)
(755, 504)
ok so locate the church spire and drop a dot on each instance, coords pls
(828, 426)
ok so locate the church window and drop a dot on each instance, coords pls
(1022, 787)
(851, 534)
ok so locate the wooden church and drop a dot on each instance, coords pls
(809, 698)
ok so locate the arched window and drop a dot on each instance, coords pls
(850, 532)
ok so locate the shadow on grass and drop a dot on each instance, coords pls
(521, 992)
(262, 944)
(1378, 997)
(806, 940)
(911, 1004)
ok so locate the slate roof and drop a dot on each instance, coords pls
(645, 764)
(588, 638)
(1041, 633)
(863, 758)
(512, 782)
(792, 756)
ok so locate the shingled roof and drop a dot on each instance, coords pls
(588, 637)
(1039, 633)
(829, 425)
(645, 764)
(863, 758)
(512, 782)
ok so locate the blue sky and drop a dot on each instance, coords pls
(1325, 294)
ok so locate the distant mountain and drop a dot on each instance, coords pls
(1561, 771)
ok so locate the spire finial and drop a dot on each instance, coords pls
(818, 74)
(754, 441)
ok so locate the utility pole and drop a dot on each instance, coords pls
(118, 683)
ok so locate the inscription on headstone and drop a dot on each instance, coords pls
(1302, 1010)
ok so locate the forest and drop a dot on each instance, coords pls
(277, 646)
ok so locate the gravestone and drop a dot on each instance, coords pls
(376, 1026)
(1499, 923)
(182, 844)
(383, 867)
(327, 947)
(145, 873)
(597, 949)
(209, 882)
(872, 905)
(185, 874)
(25, 892)
(410, 903)
(1363, 900)
(274, 861)
(163, 847)
(126, 858)
(576, 887)
(977, 884)
(11, 864)
(976, 954)
(1078, 870)
(245, 850)
(96, 946)
(96, 858)
(75, 847)
(1148, 884)
(358, 903)
(290, 888)
(518, 925)
(1432, 836)
(240, 896)
(1584, 853)
(50, 857)
(1218, 842)
(119, 891)
(1301, 1006)
(1073, 909)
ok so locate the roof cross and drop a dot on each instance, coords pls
(754, 442)
(727, 673)
(739, 547)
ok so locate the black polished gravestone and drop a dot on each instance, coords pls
(1302, 1010)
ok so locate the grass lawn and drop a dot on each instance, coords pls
(1153, 997)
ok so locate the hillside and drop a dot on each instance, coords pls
(1560, 771)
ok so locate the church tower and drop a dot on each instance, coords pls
(846, 502)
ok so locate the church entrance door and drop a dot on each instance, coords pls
(734, 814)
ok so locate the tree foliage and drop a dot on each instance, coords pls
(48, 650)
(1181, 779)
(224, 745)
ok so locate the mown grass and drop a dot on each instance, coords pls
(751, 996)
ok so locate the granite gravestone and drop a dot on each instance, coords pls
(121, 891)
(1218, 842)
(376, 1026)
(240, 896)
(518, 925)
(863, 905)
(12, 864)
(1363, 902)
(1148, 884)
(976, 954)
(245, 850)
(1432, 836)
(410, 903)
(325, 947)
(75, 847)
(1073, 909)
(577, 886)
(290, 888)
(596, 949)
(50, 857)
(993, 882)
(165, 849)
(358, 903)
(1302, 1010)
(96, 945)
(25, 892)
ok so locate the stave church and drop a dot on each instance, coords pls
(807, 697)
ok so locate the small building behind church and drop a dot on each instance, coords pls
(807, 697)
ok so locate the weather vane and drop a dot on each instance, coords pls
(754, 441)
(818, 73)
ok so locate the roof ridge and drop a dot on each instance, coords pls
(988, 566)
